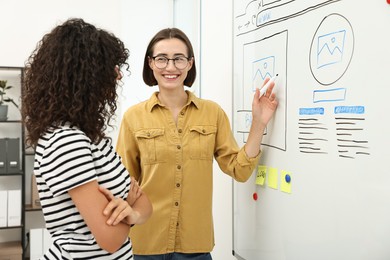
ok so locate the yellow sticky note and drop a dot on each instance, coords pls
(285, 182)
(273, 178)
(260, 175)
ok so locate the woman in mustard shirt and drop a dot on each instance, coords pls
(168, 144)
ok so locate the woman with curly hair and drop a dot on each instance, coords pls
(69, 98)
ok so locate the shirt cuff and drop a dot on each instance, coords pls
(243, 159)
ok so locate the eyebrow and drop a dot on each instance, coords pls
(174, 55)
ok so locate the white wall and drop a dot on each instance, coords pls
(216, 84)
(141, 20)
(24, 22)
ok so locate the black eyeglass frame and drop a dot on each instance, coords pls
(173, 60)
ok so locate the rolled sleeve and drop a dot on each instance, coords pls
(244, 160)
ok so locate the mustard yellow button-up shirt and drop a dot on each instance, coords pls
(173, 164)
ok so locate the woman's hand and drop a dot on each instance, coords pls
(118, 209)
(135, 191)
(264, 106)
(263, 109)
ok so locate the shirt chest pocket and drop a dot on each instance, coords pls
(152, 145)
(202, 142)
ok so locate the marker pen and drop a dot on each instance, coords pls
(266, 86)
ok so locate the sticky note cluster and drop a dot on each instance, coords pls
(270, 176)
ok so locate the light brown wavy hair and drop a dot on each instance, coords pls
(71, 77)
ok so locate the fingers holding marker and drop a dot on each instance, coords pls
(268, 86)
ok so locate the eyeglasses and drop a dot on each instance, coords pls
(180, 62)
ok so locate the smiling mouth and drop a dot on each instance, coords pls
(171, 76)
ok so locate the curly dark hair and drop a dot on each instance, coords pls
(71, 76)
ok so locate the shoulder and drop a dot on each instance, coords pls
(135, 115)
(62, 137)
(137, 108)
(203, 104)
(209, 104)
(66, 132)
(211, 108)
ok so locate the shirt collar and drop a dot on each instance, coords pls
(153, 100)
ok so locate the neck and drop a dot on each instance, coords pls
(173, 99)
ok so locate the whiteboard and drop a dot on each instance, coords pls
(321, 190)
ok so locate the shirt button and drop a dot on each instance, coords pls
(148, 134)
(182, 113)
(178, 147)
(203, 131)
(178, 167)
(176, 203)
(178, 185)
(180, 131)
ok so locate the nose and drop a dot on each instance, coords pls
(171, 64)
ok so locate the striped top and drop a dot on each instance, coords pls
(66, 158)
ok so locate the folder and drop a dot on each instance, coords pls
(35, 202)
(3, 155)
(36, 240)
(13, 155)
(3, 208)
(14, 208)
(47, 241)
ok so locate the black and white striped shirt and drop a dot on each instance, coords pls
(66, 158)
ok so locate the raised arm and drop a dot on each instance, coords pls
(263, 108)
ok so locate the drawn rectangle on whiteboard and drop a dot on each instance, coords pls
(330, 48)
(273, 11)
(329, 95)
(244, 121)
(264, 58)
